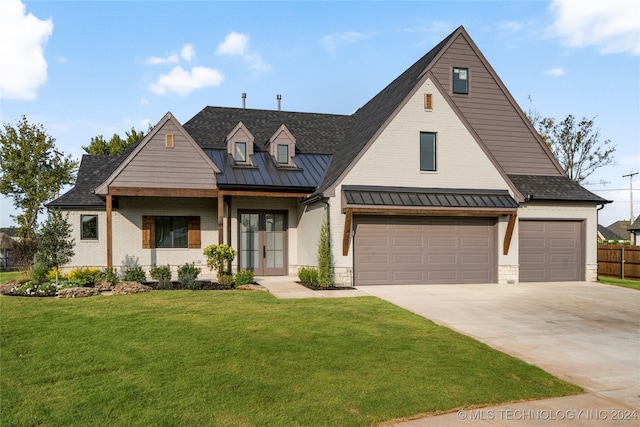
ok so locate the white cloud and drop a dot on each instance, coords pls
(556, 72)
(612, 26)
(187, 53)
(157, 60)
(182, 81)
(330, 42)
(510, 26)
(22, 41)
(234, 44)
(237, 44)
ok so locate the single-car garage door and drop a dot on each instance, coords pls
(551, 251)
(413, 250)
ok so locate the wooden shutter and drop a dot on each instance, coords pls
(148, 232)
(194, 232)
(428, 101)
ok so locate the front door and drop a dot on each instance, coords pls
(263, 242)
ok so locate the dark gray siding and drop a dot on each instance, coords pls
(491, 114)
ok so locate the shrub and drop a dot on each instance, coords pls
(308, 275)
(244, 277)
(160, 273)
(219, 257)
(108, 275)
(51, 275)
(83, 276)
(226, 279)
(164, 285)
(134, 274)
(31, 289)
(325, 273)
(187, 275)
(39, 272)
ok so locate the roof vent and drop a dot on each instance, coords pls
(279, 98)
(244, 100)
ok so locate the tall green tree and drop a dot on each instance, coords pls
(575, 143)
(33, 171)
(115, 145)
(55, 247)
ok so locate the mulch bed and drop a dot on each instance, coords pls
(320, 288)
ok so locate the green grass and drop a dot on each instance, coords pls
(6, 276)
(626, 283)
(234, 358)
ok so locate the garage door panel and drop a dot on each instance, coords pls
(425, 250)
(551, 250)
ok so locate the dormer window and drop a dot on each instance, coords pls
(240, 145)
(282, 147)
(283, 154)
(240, 152)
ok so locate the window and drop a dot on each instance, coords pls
(240, 152)
(89, 228)
(168, 141)
(460, 80)
(427, 151)
(283, 153)
(171, 232)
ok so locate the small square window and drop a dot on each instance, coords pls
(427, 151)
(283, 154)
(460, 80)
(240, 152)
(89, 227)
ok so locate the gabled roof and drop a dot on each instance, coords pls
(621, 228)
(314, 133)
(636, 224)
(608, 234)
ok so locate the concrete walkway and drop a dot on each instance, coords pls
(585, 333)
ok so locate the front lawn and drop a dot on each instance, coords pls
(626, 283)
(242, 358)
(6, 276)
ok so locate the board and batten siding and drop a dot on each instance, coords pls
(157, 166)
(492, 115)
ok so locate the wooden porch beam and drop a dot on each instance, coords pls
(162, 192)
(346, 237)
(109, 231)
(507, 235)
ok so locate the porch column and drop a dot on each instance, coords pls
(109, 232)
(220, 218)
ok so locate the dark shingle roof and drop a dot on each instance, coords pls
(374, 113)
(428, 197)
(635, 225)
(608, 234)
(553, 188)
(314, 133)
(93, 171)
(621, 228)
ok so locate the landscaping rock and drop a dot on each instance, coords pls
(251, 287)
(124, 288)
(103, 287)
(5, 288)
(77, 292)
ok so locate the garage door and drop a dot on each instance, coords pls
(407, 250)
(551, 251)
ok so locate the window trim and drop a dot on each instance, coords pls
(453, 80)
(435, 152)
(82, 236)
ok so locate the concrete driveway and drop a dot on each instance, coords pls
(585, 333)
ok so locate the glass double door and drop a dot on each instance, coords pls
(263, 242)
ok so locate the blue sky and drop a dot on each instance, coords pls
(91, 68)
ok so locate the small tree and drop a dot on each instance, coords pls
(219, 258)
(56, 244)
(325, 272)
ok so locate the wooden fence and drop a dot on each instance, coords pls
(619, 261)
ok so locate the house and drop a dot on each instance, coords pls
(8, 237)
(620, 228)
(634, 230)
(607, 236)
(439, 178)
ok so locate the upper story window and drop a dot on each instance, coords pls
(460, 80)
(427, 151)
(283, 154)
(240, 152)
(89, 227)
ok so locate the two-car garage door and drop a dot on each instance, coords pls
(412, 250)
